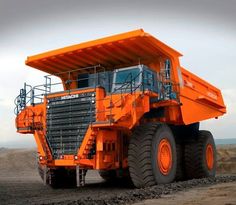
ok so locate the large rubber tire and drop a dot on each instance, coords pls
(196, 165)
(183, 134)
(180, 166)
(143, 152)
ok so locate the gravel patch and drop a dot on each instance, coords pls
(154, 192)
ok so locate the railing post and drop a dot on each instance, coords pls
(131, 86)
(90, 111)
(50, 86)
(46, 84)
(32, 96)
(142, 75)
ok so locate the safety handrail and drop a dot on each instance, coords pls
(33, 95)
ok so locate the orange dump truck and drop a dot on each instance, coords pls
(125, 106)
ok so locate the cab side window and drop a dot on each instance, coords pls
(83, 80)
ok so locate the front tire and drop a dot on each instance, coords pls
(152, 155)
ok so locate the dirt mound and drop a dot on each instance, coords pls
(226, 159)
(17, 162)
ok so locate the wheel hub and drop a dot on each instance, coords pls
(164, 156)
(209, 156)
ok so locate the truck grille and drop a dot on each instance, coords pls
(68, 118)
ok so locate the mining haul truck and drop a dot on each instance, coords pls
(123, 106)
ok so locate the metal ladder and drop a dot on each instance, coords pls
(80, 176)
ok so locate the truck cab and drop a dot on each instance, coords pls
(124, 80)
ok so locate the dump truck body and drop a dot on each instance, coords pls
(110, 87)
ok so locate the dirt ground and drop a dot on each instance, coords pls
(20, 184)
(30, 190)
(220, 194)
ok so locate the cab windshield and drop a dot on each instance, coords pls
(124, 76)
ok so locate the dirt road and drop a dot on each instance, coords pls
(30, 190)
(220, 194)
(20, 184)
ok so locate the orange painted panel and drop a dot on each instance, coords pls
(123, 49)
(200, 100)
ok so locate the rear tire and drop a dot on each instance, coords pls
(183, 134)
(200, 156)
(180, 167)
(152, 155)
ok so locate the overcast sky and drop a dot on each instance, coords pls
(203, 31)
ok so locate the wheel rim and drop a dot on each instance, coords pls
(164, 156)
(209, 156)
